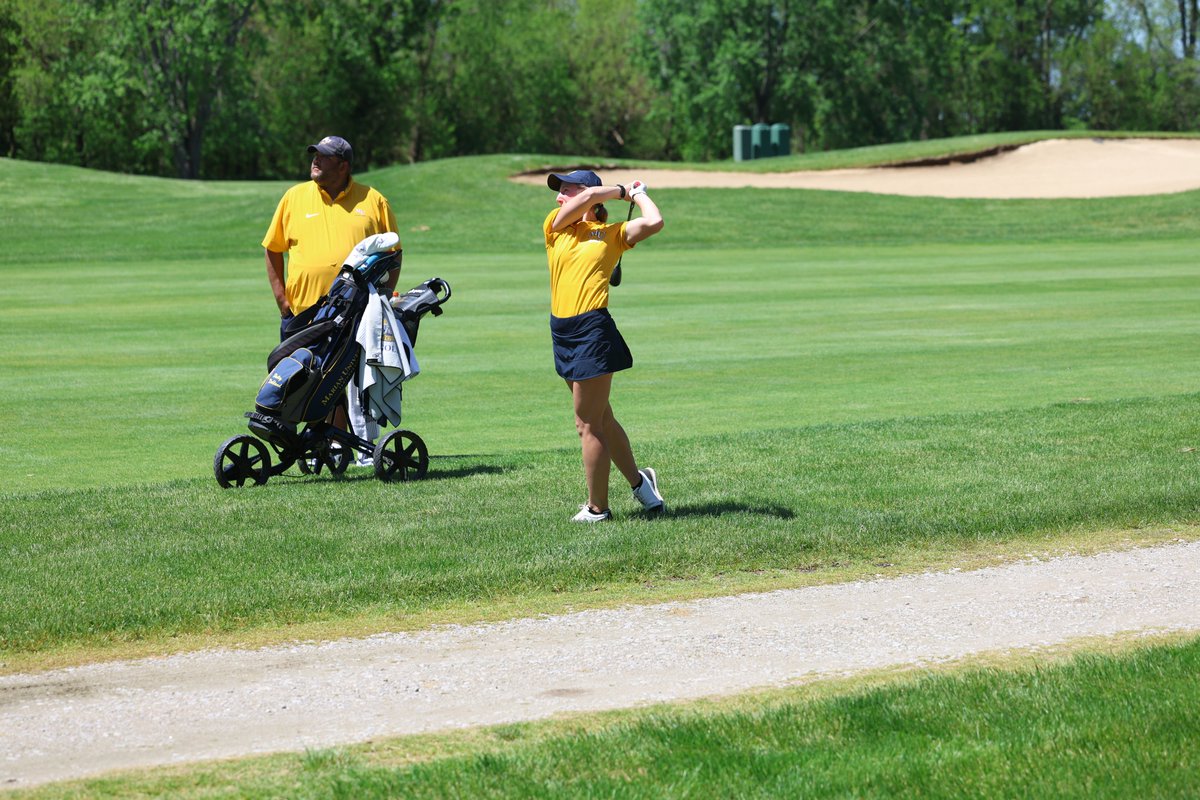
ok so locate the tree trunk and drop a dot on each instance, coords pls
(1184, 35)
(416, 138)
(198, 123)
(1194, 8)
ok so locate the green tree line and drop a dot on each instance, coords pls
(235, 88)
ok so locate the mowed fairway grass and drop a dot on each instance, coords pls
(830, 385)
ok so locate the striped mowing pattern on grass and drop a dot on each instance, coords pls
(821, 379)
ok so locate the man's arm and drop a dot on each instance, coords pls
(275, 278)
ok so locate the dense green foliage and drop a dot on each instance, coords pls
(236, 88)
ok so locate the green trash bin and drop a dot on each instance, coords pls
(760, 140)
(781, 139)
(741, 143)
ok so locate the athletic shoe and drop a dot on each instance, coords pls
(647, 492)
(587, 515)
(364, 461)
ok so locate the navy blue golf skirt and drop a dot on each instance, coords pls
(588, 346)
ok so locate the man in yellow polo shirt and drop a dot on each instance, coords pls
(317, 224)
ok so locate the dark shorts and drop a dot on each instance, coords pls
(293, 323)
(588, 346)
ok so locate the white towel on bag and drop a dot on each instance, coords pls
(387, 360)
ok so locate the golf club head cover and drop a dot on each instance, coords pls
(370, 246)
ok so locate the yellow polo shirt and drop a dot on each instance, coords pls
(581, 259)
(317, 233)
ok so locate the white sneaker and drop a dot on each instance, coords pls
(647, 492)
(587, 515)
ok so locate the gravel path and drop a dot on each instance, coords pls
(87, 720)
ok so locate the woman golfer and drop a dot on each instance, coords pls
(588, 348)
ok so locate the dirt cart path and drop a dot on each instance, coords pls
(86, 720)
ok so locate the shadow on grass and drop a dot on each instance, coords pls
(356, 474)
(438, 474)
(725, 508)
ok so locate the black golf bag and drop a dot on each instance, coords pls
(307, 377)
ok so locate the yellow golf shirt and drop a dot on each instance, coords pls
(581, 259)
(318, 233)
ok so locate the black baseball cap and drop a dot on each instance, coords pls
(584, 177)
(333, 146)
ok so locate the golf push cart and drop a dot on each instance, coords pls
(307, 376)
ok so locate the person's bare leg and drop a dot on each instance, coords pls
(619, 449)
(602, 439)
(591, 404)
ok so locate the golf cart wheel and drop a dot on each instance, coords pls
(333, 457)
(401, 456)
(242, 459)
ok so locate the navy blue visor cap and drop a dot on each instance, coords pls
(583, 177)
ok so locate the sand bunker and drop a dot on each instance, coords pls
(1046, 169)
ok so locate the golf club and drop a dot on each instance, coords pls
(615, 279)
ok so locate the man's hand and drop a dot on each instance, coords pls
(275, 279)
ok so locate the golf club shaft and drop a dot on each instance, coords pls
(615, 280)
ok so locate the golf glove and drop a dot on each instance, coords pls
(635, 188)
